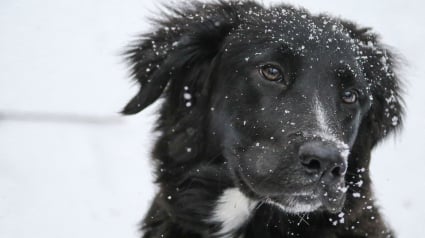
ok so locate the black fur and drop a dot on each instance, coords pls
(220, 114)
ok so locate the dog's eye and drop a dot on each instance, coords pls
(271, 72)
(350, 96)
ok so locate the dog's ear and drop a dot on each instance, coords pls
(183, 39)
(380, 67)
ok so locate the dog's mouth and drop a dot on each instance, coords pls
(320, 200)
(296, 203)
(317, 197)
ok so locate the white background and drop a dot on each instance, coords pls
(90, 176)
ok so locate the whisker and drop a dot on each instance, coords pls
(302, 219)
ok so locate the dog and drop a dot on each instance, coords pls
(268, 121)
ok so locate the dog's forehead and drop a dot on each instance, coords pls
(298, 30)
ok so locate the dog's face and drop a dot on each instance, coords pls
(288, 108)
(284, 97)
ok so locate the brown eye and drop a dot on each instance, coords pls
(271, 72)
(350, 96)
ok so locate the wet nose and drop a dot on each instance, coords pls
(322, 159)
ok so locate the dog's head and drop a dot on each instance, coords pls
(290, 100)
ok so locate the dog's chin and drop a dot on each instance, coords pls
(320, 199)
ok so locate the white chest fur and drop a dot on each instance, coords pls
(232, 210)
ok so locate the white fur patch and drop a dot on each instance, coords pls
(325, 132)
(232, 210)
(322, 119)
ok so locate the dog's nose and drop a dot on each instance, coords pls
(322, 159)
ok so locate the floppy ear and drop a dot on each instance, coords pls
(185, 38)
(379, 68)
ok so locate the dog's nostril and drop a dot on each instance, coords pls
(311, 164)
(339, 170)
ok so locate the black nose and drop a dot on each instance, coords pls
(322, 159)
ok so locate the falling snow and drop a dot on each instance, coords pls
(356, 195)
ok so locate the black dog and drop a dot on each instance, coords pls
(268, 122)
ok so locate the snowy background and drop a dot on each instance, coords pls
(87, 173)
